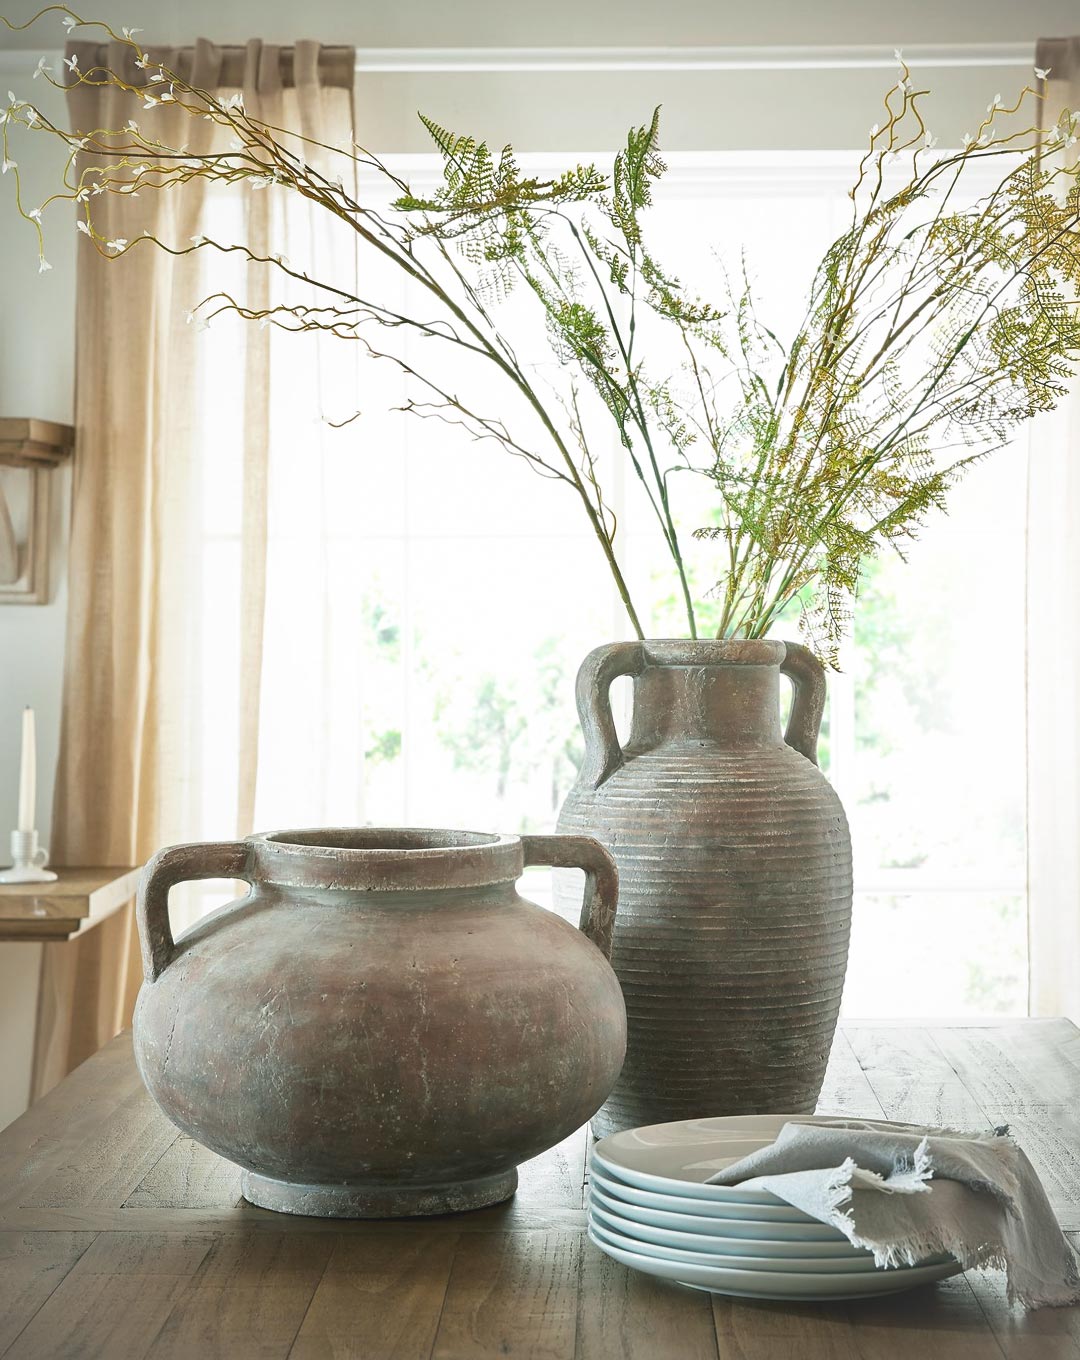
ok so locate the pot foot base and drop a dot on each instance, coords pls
(376, 1201)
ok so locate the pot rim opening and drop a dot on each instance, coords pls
(382, 840)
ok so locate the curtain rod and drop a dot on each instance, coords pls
(451, 59)
(417, 60)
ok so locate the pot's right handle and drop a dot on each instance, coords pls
(807, 676)
(604, 665)
(601, 880)
(179, 864)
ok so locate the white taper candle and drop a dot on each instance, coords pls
(27, 773)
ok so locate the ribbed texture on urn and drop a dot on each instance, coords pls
(731, 938)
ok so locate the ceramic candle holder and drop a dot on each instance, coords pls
(28, 860)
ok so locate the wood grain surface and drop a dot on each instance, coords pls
(76, 900)
(120, 1238)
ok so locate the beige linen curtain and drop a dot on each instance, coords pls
(126, 781)
(1053, 655)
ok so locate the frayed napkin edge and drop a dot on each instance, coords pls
(910, 1250)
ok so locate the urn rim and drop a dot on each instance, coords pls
(713, 651)
(388, 858)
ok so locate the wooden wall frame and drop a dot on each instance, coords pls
(32, 448)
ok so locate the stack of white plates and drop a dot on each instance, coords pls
(649, 1207)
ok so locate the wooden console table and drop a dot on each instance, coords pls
(124, 1240)
(77, 900)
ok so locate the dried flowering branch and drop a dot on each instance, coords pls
(127, 162)
(930, 332)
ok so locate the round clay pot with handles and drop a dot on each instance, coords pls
(382, 1027)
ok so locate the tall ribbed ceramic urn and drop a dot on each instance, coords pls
(734, 876)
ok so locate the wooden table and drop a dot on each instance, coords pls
(77, 900)
(120, 1238)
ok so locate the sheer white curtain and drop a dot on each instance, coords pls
(164, 444)
(1053, 657)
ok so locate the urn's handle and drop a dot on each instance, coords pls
(603, 754)
(601, 879)
(179, 864)
(807, 676)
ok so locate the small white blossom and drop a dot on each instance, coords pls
(236, 144)
(204, 325)
(131, 126)
(98, 188)
(157, 76)
(930, 141)
(142, 62)
(264, 321)
(42, 69)
(874, 131)
(69, 21)
(198, 240)
(904, 86)
(82, 196)
(118, 244)
(43, 264)
(994, 103)
(84, 227)
(261, 181)
(280, 259)
(8, 165)
(189, 316)
(35, 213)
(129, 33)
(149, 102)
(1041, 72)
(966, 140)
(31, 116)
(168, 97)
(72, 62)
(234, 101)
(898, 54)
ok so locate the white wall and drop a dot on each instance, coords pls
(557, 111)
(36, 379)
(572, 23)
(538, 111)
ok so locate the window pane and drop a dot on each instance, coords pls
(937, 954)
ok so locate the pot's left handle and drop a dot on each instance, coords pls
(179, 864)
(601, 880)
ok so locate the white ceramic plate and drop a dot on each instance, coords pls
(717, 1230)
(678, 1158)
(735, 1220)
(721, 1240)
(776, 1284)
(606, 1227)
(728, 1208)
(719, 1246)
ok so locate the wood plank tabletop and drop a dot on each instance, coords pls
(120, 1238)
(59, 910)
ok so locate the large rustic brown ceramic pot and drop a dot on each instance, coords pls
(382, 1027)
(734, 870)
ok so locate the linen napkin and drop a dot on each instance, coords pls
(906, 1192)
